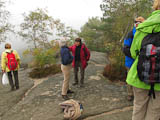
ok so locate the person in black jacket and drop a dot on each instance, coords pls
(66, 60)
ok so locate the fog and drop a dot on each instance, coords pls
(74, 13)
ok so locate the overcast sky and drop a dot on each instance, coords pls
(71, 12)
(74, 13)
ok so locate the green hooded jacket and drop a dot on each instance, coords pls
(152, 24)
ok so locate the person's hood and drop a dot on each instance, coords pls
(152, 24)
(8, 50)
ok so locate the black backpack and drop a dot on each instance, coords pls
(149, 61)
(126, 48)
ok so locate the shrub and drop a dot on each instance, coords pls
(43, 61)
(113, 73)
(116, 69)
(43, 57)
(45, 71)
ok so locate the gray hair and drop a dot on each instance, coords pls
(63, 43)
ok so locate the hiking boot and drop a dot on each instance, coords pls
(81, 85)
(75, 83)
(12, 89)
(65, 97)
(70, 91)
(130, 98)
(17, 87)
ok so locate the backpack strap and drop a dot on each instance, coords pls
(9, 52)
(151, 91)
(85, 53)
(127, 44)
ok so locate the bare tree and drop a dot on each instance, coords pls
(5, 26)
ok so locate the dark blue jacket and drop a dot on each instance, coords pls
(66, 57)
(127, 44)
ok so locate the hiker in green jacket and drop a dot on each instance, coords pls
(145, 107)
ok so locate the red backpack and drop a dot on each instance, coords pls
(12, 62)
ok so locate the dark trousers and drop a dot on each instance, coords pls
(76, 69)
(16, 83)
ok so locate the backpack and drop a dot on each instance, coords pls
(12, 62)
(149, 61)
(72, 109)
(128, 42)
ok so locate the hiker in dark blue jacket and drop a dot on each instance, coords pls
(66, 57)
(126, 49)
(127, 44)
(66, 60)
